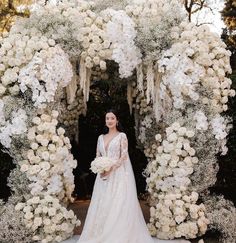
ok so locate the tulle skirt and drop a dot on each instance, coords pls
(114, 214)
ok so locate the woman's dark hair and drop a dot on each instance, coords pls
(119, 126)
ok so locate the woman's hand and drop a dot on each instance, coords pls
(106, 173)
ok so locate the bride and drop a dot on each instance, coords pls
(114, 214)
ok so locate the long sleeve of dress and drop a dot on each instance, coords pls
(123, 151)
(97, 149)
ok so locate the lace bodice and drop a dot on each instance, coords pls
(117, 148)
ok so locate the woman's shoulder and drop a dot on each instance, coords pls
(100, 136)
(123, 134)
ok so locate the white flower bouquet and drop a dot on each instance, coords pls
(101, 164)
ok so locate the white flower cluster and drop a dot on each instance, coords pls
(153, 19)
(13, 127)
(198, 57)
(96, 46)
(49, 163)
(16, 50)
(177, 215)
(45, 73)
(175, 158)
(220, 131)
(85, 31)
(94, 33)
(50, 221)
(101, 164)
(60, 21)
(69, 114)
(145, 123)
(219, 127)
(124, 52)
(201, 121)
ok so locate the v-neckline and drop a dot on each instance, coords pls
(109, 142)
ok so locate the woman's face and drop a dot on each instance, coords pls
(111, 120)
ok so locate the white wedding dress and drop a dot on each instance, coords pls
(114, 214)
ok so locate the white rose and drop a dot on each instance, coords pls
(51, 42)
(60, 131)
(158, 137)
(191, 152)
(232, 92)
(51, 147)
(190, 133)
(88, 21)
(178, 151)
(64, 226)
(45, 165)
(45, 142)
(225, 107)
(52, 211)
(38, 210)
(39, 138)
(28, 215)
(47, 221)
(24, 167)
(34, 146)
(54, 122)
(96, 60)
(103, 65)
(182, 131)
(172, 137)
(52, 157)
(2, 90)
(45, 118)
(179, 219)
(58, 238)
(35, 200)
(175, 126)
(36, 238)
(38, 221)
(45, 210)
(2, 67)
(49, 198)
(31, 136)
(45, 155)
(165, 228)
(173, 164)
(194, 196)
(55, 114)
(194, 160)
(19, 206)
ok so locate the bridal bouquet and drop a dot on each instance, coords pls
(101, 164)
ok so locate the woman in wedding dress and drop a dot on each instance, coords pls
(114, 214)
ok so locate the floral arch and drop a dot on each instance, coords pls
(177, 88)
